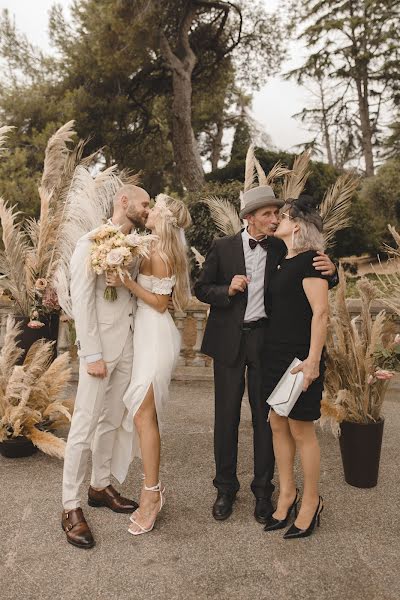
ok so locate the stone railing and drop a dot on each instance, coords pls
(354, 306)
(191, 323)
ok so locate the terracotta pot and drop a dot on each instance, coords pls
(360, 447)
(17, 447)
(30, 336)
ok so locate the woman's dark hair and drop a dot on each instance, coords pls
(305, 207)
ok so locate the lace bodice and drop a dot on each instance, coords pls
(162, 286)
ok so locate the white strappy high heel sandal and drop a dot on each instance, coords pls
(155, 488)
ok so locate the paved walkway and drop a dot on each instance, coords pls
(353, 556)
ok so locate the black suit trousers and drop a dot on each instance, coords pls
(229, 388)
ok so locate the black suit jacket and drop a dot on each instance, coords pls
(225, 259)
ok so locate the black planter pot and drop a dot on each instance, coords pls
(17, 447)
(360, 447)
(29, 336)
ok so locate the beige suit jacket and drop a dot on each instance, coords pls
(101, 326)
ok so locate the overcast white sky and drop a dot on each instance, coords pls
(272, 106)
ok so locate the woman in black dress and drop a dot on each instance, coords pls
(298, 303)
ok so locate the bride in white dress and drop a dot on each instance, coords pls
(156, 343)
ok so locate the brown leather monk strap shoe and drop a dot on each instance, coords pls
(76, 528)
(110, 498)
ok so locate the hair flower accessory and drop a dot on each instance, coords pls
(164, 211)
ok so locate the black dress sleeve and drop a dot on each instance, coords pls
(308, 269)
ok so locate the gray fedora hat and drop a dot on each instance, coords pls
(259, 197)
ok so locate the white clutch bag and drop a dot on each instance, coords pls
(287, 391)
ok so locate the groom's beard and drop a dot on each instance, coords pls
(137, 221)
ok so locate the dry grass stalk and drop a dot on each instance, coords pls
(14, 258)
(254, 171)
(199, 258)
(351, 390)
(56, 155)
(47, 442)
(4, 131)
(31, 394)
(336, 204)
(250, 172)
(391, 282)
(295, 180)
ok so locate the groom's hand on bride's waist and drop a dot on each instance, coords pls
(97, 368)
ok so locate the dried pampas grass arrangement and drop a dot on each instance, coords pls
(36, 255)
(362, 355)
(31, 403)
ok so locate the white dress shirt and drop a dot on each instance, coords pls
(255, 261)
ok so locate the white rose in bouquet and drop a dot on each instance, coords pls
(115, 258)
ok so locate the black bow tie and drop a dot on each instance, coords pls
(263, 243)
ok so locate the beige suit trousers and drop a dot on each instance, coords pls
(98, 415)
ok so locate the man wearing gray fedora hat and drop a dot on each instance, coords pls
(234, 281)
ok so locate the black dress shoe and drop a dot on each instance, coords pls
(263, 510)
(222, 508)
(272, 524)
(294, 532)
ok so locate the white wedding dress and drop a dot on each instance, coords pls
(156, 347)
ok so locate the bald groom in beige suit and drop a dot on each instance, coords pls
(105, 346)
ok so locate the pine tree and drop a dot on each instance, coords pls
(355, 43)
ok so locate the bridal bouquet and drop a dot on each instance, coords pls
(114, 252)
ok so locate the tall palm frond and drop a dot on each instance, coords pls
(224, 215)
(277, 171)
(295, 180)
(127, 177)
(335, 206)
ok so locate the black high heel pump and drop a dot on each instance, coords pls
(273, 524)
(294, 532)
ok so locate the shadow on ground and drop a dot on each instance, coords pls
(354, 555)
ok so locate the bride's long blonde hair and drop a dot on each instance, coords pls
(173, 218)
